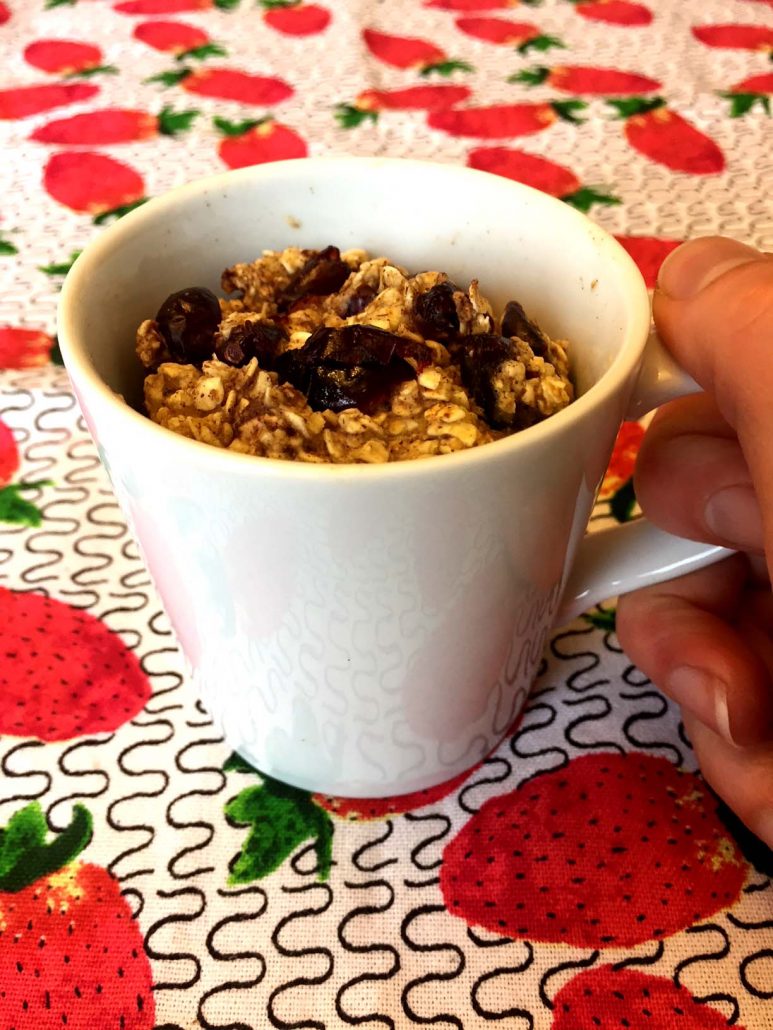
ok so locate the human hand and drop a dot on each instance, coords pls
(705, 471)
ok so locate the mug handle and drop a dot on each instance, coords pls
(637, 554)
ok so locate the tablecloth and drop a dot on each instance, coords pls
(581, 876)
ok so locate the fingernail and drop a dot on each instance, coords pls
(695, 265)
(703, 694)
(733, 514)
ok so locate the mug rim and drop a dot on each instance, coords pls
(79, 365)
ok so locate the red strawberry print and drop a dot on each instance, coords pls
(64, 674)
(538, 172)
(178, 38)
(649, 253)
(612, 997)
(228, 84)
(413, 98)
(24, 101)
(736, 37)
(502, 120)
(591, 81)
(667, 138)
(614, 12)
(23, 348)
(5, 14)
(522, 35)
(294, 18)
(13, 506)
(256, 142)
(9, 454)
(172, 6)
(66, 57)
(358, 809)
(410, 52)
(71, 953)
(612, 850)
(745, 95)
(623, 460)
(113, 125)
(471, 6)
(90, 182)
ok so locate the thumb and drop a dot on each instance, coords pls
(713, 308)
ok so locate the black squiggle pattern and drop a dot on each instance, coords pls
(642, 960)
(592, 663)
(374, 948)
(709, 956)
(590, 717)
(743, 972)
(357, 857)
(135, 900)
(144, 827)
(486, 942)
(15, 774)
(434, 977)
(197, 824)
(515, 1012)
(301, 953)
(234, 986)
(433, 838)
(176, 956)
(528, 726)
(63, 763)
(305, 862)
(634, 677)
(505, 770)
(562, 967)
(744, 924)
(649, 715)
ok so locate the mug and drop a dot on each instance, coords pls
(374, 630)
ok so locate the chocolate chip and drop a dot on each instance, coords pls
(516, 323)
(359, 300)
(188, 320)
(250, 340)
(436, 312)
(481, 359)
(323, 274)
(356, 366)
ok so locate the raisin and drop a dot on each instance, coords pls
(188, 320)
(436, 312)
(481, 359)
(323, 274)
(515, 322)
(356, 366)
(359, 300)
(250, 340)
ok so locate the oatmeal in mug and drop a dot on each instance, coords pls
(323, 356)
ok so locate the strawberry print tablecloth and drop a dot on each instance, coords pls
(582, 876)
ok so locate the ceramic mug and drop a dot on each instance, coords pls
(373, 630)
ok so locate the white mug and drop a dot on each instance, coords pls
(374, 630)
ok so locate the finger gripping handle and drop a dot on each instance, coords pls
(617, 560)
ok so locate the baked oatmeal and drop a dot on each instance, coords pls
(329, 356)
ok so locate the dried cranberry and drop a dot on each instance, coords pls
(481, 359)
(356, 366)
(250, 340)
(359, 300)
(323, 274)
(188, 320)
(515, 322)
(436, 312)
